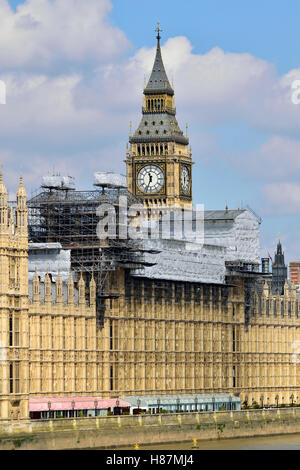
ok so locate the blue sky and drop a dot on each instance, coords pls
(233, 64)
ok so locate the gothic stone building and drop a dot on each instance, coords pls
(158, 336)
(164, 329)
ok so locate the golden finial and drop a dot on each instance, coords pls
(187, 127)
(130, 128)
(279, 235)
(158, 30)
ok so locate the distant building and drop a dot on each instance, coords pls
(295, 273)
(279, 271)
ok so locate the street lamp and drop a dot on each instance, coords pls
(117, 405)
(230, 402)
(292, 399)
(262, 401)
(277, 398)
(196, 403)
(213, 403)
(49, 407)
(158, 405)
(73, 406)
(178, 403)
(96, 406)
(138, 404)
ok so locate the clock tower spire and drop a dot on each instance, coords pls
(159, 163)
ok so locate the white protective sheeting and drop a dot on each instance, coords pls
(58, 182)
(240, 236)
(176, 263)
(110, 180)
(228, 236)
(49, 257)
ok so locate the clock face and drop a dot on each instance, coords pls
(150, 179)
(185, 179)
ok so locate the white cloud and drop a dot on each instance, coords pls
(277, 158)
(281, 198)
(88, 111)
(44, 32)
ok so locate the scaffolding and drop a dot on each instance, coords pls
(69, 217)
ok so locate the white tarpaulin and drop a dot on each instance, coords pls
(110, 180)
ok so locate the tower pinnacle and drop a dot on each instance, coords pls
(158, 30)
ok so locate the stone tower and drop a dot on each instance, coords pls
(14, 335)
(279, 271)
(159, 162)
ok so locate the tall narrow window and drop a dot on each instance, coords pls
(111, 334)
(10, 330)
(17, 332)
(233, 377)
(11, 378)
(111, 377)
(17, 377)
(233, 338)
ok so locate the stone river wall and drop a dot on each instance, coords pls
(116, 431)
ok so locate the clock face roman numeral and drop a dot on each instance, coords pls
(150, 179)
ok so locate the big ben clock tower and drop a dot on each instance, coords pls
(159, 162)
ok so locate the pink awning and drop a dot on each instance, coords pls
(81, 403)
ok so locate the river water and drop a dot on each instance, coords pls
(284, 442)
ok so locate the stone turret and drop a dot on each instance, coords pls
(21, 209)
(3, 206)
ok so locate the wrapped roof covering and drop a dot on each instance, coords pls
(110, 180)
(237, 230)
(227, 236)
(58, 182)
(49, 257)
(173, 261)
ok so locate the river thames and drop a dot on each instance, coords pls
(284, 442)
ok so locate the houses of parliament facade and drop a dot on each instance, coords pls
(157, 335)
